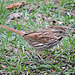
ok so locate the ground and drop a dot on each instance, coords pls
(17, 57)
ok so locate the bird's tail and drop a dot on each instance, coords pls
(12, 29)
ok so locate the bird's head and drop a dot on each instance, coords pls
(59, 30)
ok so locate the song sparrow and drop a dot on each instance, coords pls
(43, 39)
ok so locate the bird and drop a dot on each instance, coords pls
(41, 39)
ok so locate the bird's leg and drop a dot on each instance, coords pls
(41, 53)
(37, 52)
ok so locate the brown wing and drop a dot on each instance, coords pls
(40, 36)
(41, 40)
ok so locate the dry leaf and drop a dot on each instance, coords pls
(73, 13)
(15, 51)
(15, 5)
(39, 15)
(56, 1)
(14, 16)
(49, 18)
(40, 2)
(47, 2)
(3, 66)
(31, 7)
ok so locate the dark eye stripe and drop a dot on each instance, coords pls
(60, 31)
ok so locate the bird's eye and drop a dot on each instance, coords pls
(60, 31)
